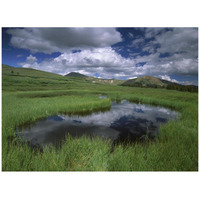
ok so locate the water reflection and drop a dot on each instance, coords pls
(123, 121)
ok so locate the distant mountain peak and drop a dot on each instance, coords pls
(146, 81)
(153, 82)
(75, 74)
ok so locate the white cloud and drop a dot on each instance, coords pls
(181, 40)
(152, 32)
(31, 59)
(132, 77)
(98, 57)
(109, 64)
(48, 40)
(171, 51)
(166, 77)
(176, 65)
(104, 61)
(137, 42)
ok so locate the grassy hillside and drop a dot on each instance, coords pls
(153, 82)
(33, 94)
(26, 72)
(146, 81)
(23, 79)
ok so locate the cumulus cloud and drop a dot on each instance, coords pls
(137, 42)
(174, 65)
(152, 32)
(31, 59)
(179, 40)
(49, 40)
(132, 77)
(170, 51)
(166, 77)
(104, 61)
(163, 51)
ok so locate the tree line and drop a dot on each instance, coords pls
(188, 88)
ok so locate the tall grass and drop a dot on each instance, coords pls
(76, 154)
(175, 150)
(18, 111)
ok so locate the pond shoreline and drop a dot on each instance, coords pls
(124, 122)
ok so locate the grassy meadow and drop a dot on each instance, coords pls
(28, 95)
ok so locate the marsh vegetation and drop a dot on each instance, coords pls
(29, 95)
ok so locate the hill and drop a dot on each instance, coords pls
(146, 81)
(28, 72)
(95, 80)
(153, 82)
(75, 74)
(24, 79)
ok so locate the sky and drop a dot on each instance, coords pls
(120, 53)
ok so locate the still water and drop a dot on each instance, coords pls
(125, 121)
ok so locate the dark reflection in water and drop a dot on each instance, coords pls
(124, 121)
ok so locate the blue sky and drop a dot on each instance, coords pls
(121, 53)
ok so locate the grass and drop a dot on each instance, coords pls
(176, 149)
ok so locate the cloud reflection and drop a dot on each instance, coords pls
(122, 120)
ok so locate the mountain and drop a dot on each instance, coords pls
(75, 74)
(95, 80)
(153, 82)
(14, 78)
(146, 81)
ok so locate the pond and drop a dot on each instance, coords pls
(124, 121)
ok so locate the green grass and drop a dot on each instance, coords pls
(176, 148)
